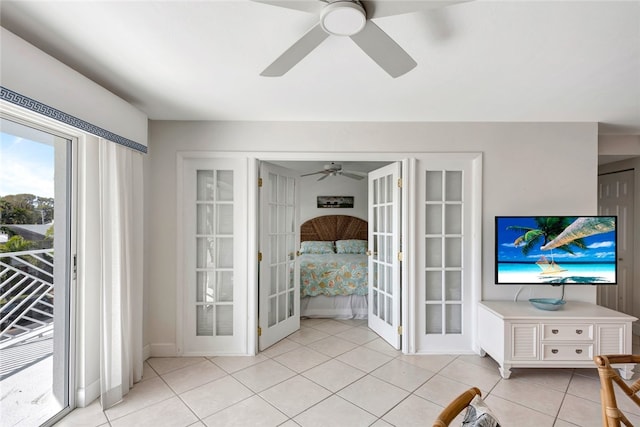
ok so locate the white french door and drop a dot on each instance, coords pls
(384, 253)
(615, 197)
(448, 247)
(214, 265)
(279, 279)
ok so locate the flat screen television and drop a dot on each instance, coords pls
(555, 250)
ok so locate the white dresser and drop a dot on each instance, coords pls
(518, 335)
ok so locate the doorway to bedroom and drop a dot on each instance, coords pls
(346, 266)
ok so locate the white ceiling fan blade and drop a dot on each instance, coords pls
(384, 50)
(351, 175)
(313, 173)
(379, 9)
(310, 6)
(296, 52)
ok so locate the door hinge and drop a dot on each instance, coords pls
(399, 182)
(75, 267)
(400, 330)
(400, 256)
(259, 182)
(259, 331)
(259, 256)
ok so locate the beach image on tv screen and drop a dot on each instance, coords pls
(556, 250)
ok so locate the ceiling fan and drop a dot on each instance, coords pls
(351, 18)
(335, 169)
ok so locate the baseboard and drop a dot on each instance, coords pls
(86, 395)
(146, 352)
(163, 350)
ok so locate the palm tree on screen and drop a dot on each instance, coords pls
(547, 228)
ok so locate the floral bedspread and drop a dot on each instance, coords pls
(333, 274)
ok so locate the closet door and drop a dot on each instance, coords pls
(384, 253)
(279, 288)
(214, 266)
(616, 197)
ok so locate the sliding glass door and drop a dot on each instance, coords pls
(35, 276)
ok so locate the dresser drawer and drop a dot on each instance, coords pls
(567, 352)
(567, 332)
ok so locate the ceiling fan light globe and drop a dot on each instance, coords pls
(343, 18)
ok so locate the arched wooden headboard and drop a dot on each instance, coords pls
(334, 227)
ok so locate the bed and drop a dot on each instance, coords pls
(333, 267)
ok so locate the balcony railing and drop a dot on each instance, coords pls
(26, 295)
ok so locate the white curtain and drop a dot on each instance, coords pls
(120, 235)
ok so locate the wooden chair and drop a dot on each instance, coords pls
(456, 406)
(611, 414)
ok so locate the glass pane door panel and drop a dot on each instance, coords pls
(224, 286)
(282, 278)
(282, 190)
(204, 252)
(375, 302)
(433, 252)
(453, 215)
(453, 189)
(225, 252)
(224, 186)
(453, 289)
(204, 219)
(433, 319)
(205, 185)
(204, 320)
(433, 219)
(453, 319)
(433, 285)
(433, 186)
(224, 320)
(282, 307)
(453, 252)
(225, 219)
(272, 310)
(205, 286)
(273, 287)
(292, 267)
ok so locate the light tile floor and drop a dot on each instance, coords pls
(340, 373)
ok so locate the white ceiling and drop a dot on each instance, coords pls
(477, 61)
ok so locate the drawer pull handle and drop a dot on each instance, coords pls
(578, 331)
(554, 331)
(554, 351)
(578, 351)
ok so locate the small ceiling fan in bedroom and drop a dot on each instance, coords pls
(352, 18)
(335, 169)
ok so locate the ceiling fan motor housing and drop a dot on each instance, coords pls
(343, 18)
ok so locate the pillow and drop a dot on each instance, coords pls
(479, 415)
(352, 246)
(316, 247)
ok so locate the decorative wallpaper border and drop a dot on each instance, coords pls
(40, 108)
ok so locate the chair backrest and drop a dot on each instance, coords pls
(611, 414)
(455, 407)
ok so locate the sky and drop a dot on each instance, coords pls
(600, 247)
(25, 167)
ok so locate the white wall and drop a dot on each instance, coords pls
(311, 188)
(529, 169)
(30, 72)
